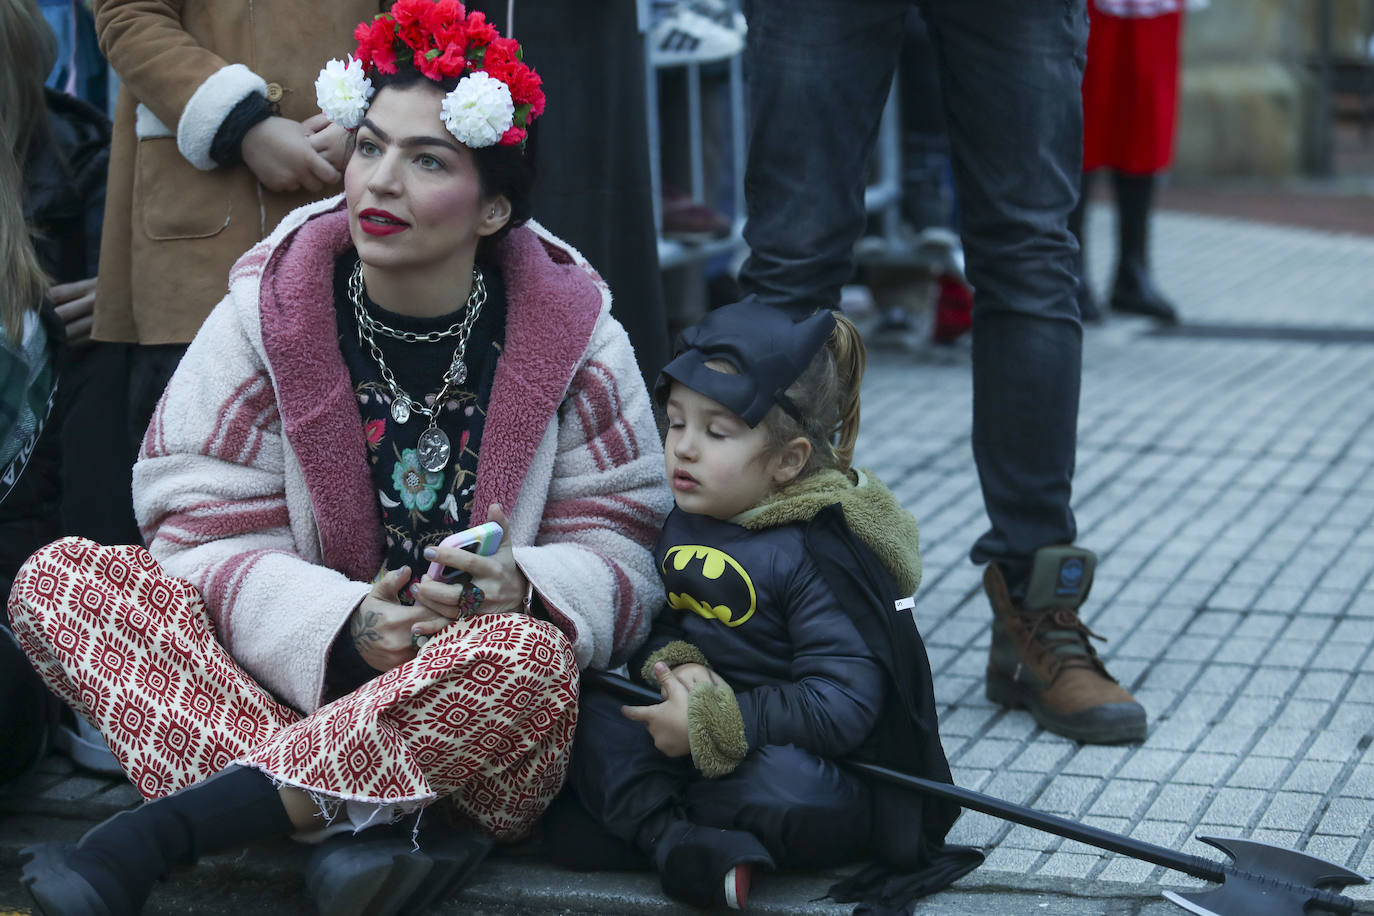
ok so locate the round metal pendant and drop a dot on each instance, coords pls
(400, 410)
(434, 450)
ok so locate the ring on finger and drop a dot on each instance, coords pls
(418, 640)
(470, 601)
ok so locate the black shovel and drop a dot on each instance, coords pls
(1260, 879)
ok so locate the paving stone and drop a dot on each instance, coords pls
(1348, 817)
(987, 753)
(1128, 870)
(1255, 710)
(1338, 849)
(1006, 858)
(1029, 838)
(1043, 756)
(1258, 772)
(1234, 807)
(1150, 765)
(966, 721)
(974, 828)
(1176, 735)
(1321, 685)
(1297, 712)
(1122, 798)
(1068, 795)
(1071, 864)
(1289, 810)
(1272, 682)
(1096, 760)
(1334, 744)
(1204, 769)
(1177, 802)
(1360, 784)
(1243, 650)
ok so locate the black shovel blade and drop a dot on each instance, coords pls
(1265, 880)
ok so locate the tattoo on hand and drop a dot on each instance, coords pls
(363, 629)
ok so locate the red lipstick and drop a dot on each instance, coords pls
(380, 222)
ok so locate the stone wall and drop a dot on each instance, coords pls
(1249, 95)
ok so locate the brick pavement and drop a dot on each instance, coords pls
(1228, 487)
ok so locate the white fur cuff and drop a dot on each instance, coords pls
(208, 108)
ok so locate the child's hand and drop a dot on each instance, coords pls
(667, 722)
(692, 674)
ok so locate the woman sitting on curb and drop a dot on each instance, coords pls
(387, 368)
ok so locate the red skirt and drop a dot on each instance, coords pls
(1130, 92)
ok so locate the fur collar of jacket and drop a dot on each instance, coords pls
(870, 509)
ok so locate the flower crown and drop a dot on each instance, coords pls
(497, 95)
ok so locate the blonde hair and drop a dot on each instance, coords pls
(827, 394)
(28, 50)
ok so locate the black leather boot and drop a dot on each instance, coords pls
(1088, 312)
(113, 869)
(1134, 292)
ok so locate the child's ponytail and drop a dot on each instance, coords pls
(851, 359)
(827, 393)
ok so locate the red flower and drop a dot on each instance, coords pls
(525, 89)
(513, 136)
(376, 44)
(446, 23)
(442, 66)
(479, 31)
(374, 430)
(412, 21)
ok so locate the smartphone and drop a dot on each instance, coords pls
(482, 540)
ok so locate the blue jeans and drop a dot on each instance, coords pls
(1010, 75)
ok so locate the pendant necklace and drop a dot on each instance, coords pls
(434, 447)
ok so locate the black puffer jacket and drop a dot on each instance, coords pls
(64, 187)
(751, 597)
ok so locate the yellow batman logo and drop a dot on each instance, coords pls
(712, 594)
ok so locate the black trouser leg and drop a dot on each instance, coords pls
(1087, 304)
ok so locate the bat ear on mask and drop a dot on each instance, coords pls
(767, 349)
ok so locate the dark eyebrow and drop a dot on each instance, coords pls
(409, 141)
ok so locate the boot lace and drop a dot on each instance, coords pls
(1059, 634)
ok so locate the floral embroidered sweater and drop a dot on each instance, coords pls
(253, 482)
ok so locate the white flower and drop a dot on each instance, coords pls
(479, 110)
(343, 92)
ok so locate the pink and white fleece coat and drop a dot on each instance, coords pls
(254, 495)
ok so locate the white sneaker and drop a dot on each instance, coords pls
(686, 37)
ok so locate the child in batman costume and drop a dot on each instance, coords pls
(787, 644)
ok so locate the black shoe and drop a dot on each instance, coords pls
(695, 864)
(54, 875)
(379, 872)
(1136, 294)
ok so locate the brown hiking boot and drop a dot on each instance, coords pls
(1041, 658)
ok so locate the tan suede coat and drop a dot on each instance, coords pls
(174, 221)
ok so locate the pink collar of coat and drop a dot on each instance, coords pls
(552, 306)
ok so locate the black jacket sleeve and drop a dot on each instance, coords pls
(836, 691)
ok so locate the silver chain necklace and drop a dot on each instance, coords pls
(434, 447)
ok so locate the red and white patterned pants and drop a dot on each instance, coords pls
(484, 715)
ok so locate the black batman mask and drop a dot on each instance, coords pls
(768, 350)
